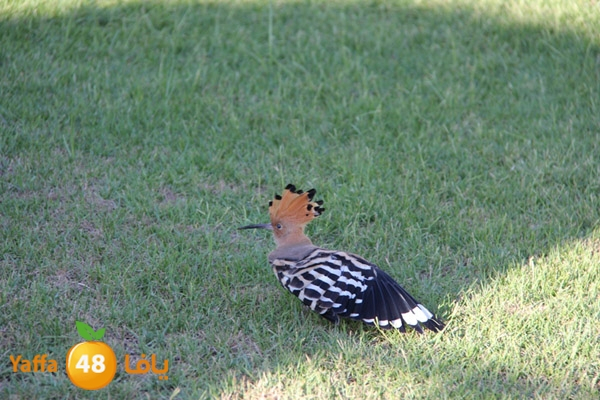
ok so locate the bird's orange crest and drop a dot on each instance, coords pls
(295, 206)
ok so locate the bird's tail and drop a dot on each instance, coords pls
(388, 305)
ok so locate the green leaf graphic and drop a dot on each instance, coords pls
(86, 331)
(99, 334)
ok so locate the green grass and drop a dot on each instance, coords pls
(455, 143)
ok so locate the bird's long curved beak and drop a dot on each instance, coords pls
(257, 226)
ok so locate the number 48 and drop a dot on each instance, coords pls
(97, 363)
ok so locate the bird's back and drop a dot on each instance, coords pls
(338, 284)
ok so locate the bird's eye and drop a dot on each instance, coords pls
(278, 226)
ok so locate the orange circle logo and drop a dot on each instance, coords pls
(91, 365)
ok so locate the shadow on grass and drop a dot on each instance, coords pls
(492, 120)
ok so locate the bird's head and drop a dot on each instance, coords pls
(289, 214)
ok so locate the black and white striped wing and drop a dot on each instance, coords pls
(336, 284)
(321, 281)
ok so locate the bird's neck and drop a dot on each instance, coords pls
(295, 251)
(290, 241)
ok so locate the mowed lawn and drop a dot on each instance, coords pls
(456, 144)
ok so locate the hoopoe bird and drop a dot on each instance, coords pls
(335, 283)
